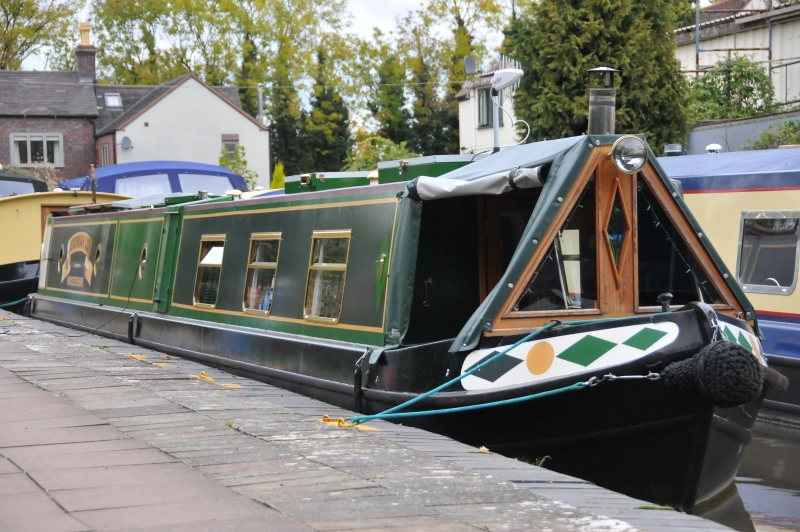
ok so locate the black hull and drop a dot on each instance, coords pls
(783, 406)
(18, 280)
(635, 437)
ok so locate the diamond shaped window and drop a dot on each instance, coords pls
(617, 229)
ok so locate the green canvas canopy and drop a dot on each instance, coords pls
(565, 159)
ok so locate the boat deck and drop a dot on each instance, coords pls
(99, 435)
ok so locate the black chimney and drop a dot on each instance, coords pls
(85, 56)
(603, 104)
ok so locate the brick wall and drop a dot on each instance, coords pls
(78, 135)
(106, 140)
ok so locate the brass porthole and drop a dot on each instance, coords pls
(143, 262)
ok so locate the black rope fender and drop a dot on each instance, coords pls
(722, 371)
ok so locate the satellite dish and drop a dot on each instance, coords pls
(126, 143)
(505, 78)
(469, 65)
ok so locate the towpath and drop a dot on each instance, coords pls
(100, 435)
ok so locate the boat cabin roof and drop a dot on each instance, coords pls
(758, 169)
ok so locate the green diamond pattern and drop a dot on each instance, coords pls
(729, 334)
(744, 343)
(498, 368)
(644, 339)
(587, 350)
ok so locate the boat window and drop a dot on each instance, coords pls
(209, 268)
(666, 264)
(326, 275)
(567, 276)
(14, 188)
(262, 266)
(768, 258)
(143, 185)
(215, 184)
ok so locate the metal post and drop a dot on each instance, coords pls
(94, 184)
(770, 46)
(260, 90)
(496, 119)
(697, 38)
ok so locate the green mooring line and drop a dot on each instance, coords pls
(392, 412)
(13, 303)
(364, 419)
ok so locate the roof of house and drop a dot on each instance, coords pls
(29, 93)
(111, 120)
(47, 94)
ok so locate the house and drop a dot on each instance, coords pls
(475, 112)
(763, 30)
(753, 28)
(64, 121)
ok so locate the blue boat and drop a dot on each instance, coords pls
(159, 177)
(749, 205)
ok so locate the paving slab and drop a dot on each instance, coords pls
(92, 439)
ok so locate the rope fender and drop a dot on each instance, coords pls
(723, 371)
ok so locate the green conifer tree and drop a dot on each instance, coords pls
(327, 125)
(387, 101)
(287, 128)
(434, 128)
(557, 41)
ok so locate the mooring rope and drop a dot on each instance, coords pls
(392, 412)
(13, 303)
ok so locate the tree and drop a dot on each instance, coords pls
(237, 162)
(557, 41)
(128, 36)
(278, 177)
(287, 129)
(327, 126)
(30, 26)
(434, 127)
(369, 150)
(469, 21)
(387, 85)
(775, 136)
(735, 88)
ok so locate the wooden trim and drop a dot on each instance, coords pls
(505, 319)
(623, 254)
(691, 239)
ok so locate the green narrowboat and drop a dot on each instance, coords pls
(563, 285)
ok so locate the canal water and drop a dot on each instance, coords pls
(768, 485)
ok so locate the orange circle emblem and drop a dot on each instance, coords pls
(540, 358)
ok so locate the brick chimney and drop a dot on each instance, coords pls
(85, 56)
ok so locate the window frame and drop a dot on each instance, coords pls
(105, 156)
(262, 237)
(318, 235)
(208, 238)
(485, 100)
(17, 136)
(230, 154)
(759, 288)
(108, 105)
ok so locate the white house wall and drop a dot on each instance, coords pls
(473, 139)
(786, 45)
(187, 125)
